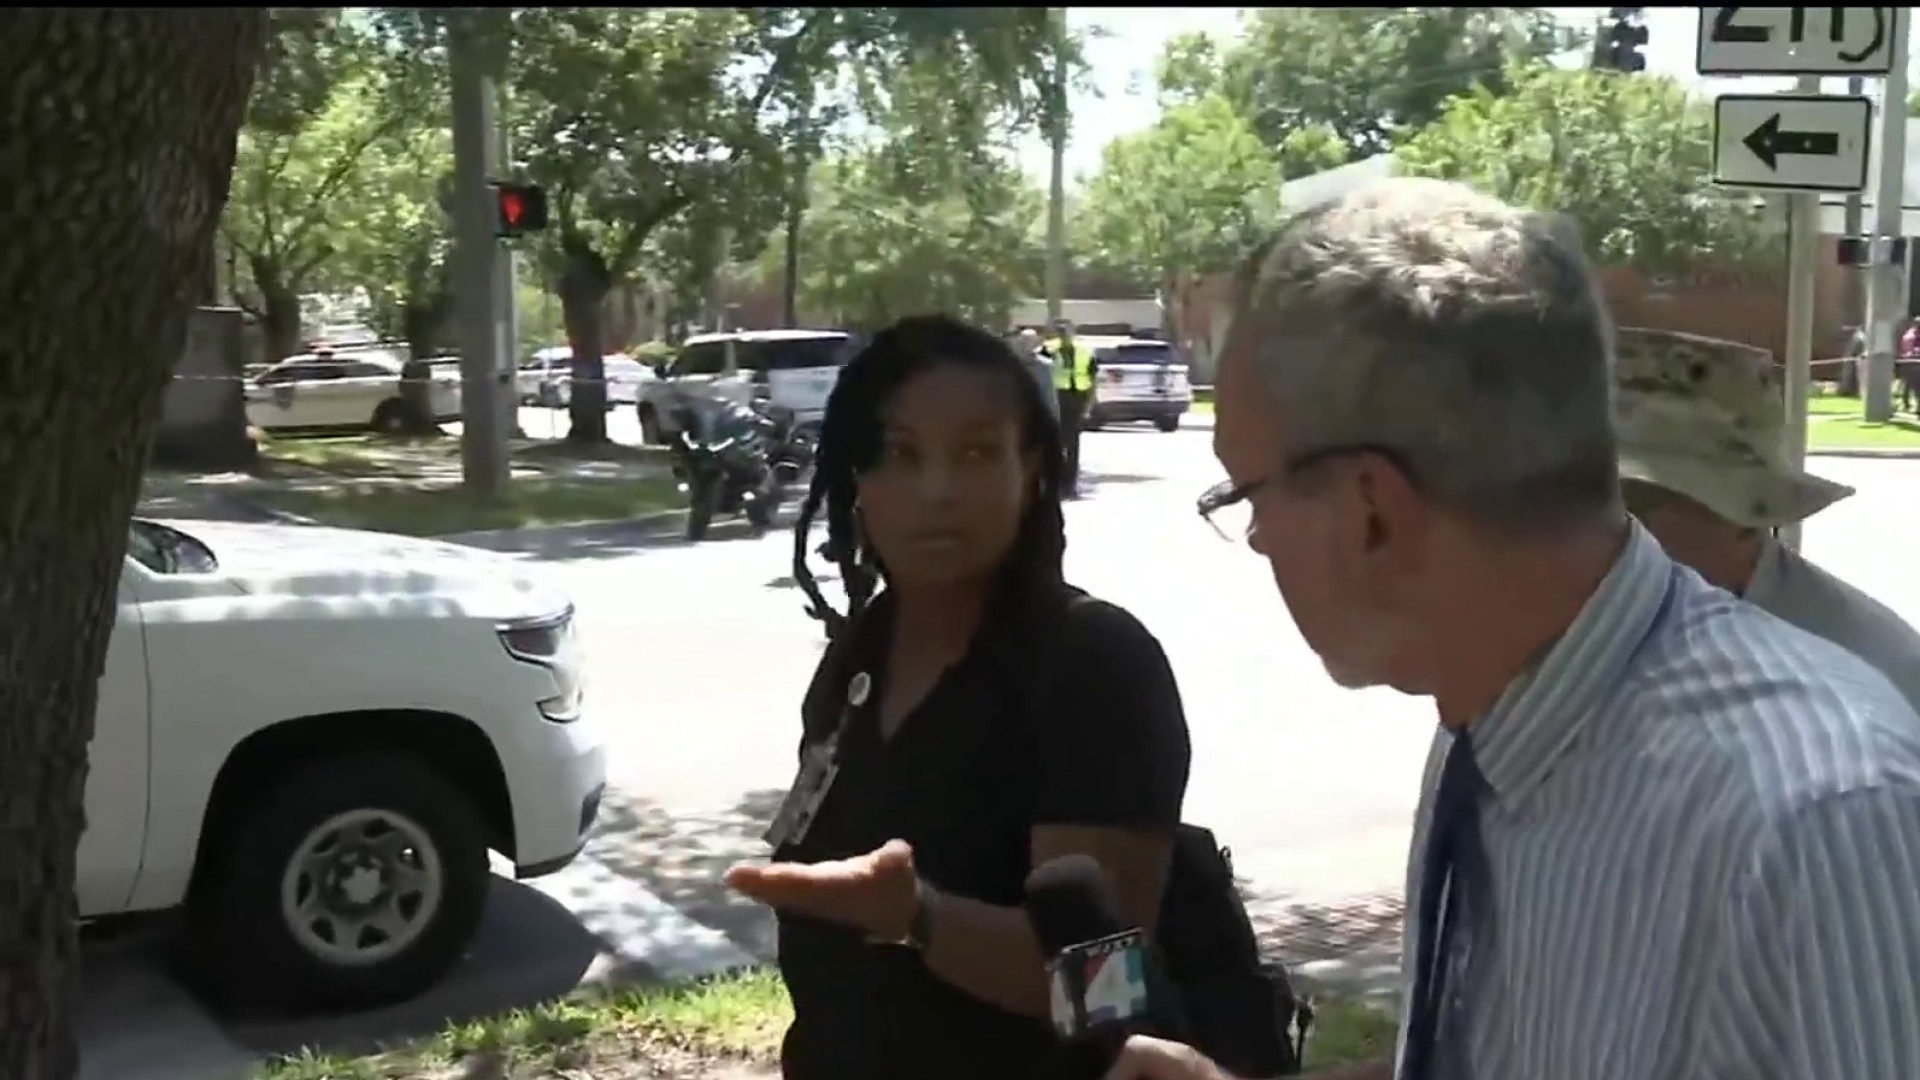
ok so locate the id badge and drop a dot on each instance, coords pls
(818, 768)
(809, 791)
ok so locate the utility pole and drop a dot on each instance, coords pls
(476, 278)
(1886, 292)
(1853, 296)
(1056, 275)
(507, 301)
(1803, 267)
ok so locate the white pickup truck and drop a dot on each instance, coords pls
(310, 738)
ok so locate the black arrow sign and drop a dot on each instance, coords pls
(1768, 142)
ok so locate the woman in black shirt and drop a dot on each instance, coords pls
(976, 718)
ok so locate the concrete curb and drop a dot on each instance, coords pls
(1867, 452)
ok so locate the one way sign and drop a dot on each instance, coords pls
(1791, 142)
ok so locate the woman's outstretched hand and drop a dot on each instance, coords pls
(872, 892)
(1156, 1059)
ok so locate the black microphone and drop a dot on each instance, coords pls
(1103, 984)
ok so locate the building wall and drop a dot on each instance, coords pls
(1749, 308)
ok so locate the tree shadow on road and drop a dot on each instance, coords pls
(643, 904)
(1092, 481)
(616, 539)
(680, 858)
(530, 950)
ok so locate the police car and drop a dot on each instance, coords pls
(1139, 379)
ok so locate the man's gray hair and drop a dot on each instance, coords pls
(1466, 337)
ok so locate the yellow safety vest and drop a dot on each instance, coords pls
(1072, 365)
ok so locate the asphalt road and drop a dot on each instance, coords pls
(698, 655)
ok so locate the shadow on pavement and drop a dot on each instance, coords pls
(680, 857)
(531, 949)
(644, 903)
(614, 539)
(1093, 481)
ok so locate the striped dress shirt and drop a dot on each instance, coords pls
(1704, 832)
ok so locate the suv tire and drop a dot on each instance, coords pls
(362, 840)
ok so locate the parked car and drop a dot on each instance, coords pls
(790, 369)
(350, 388)
(310, 739)
(1139, 379)
(546, 378)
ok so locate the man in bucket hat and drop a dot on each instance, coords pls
(1703, 463)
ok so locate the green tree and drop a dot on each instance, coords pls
(1182, 199)
(883, 243)
(633, 116)
(1629, 159)
(331, 92)
(119, 143)
(392, 239)
(1367, 74)
(1188, 68)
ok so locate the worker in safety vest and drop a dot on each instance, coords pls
(1073, 372)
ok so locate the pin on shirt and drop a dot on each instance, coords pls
(858, 689)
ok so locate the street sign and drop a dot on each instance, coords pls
(1795, 41)
(1791, 142)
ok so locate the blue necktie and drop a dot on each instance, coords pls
(1454, 866)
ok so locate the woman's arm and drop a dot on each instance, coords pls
(990, 951)
(1112, 756)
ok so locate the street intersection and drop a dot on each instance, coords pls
(697, 657)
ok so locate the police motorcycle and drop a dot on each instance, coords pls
(798, 444)
(724, 459)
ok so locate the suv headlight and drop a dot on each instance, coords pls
(541, 641)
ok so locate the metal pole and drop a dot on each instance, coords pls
(1056, 274)
(507, 310)
(483, 449)
(1855, 299)
(1803, 264)
(1886, 296)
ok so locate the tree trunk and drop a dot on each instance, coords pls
(279, 310)
(423, 315)
(584, 284)
(790, 281)
(120, 135)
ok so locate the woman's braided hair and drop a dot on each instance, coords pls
(851, 442)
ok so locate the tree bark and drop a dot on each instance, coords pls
(281, 326)
(423, 315)
(584, 285)
(120, 127)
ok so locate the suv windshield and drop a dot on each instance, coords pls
(793, 354)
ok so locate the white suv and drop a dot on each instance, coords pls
(794, 369)
(311, 738)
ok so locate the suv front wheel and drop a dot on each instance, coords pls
(358, 880)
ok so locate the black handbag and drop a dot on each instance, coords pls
(1240, 1010)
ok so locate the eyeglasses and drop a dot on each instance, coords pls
(1228, 507)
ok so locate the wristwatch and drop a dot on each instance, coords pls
(919, 933)
(920, 926)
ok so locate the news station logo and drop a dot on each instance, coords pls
(1102, 982)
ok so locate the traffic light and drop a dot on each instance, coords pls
(1626, 34)
(518, 209)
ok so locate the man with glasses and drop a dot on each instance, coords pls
(1662, 834)
(1702, 428)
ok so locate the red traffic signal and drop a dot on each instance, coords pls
(518, 209)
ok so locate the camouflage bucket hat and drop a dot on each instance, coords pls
(1706, 419)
